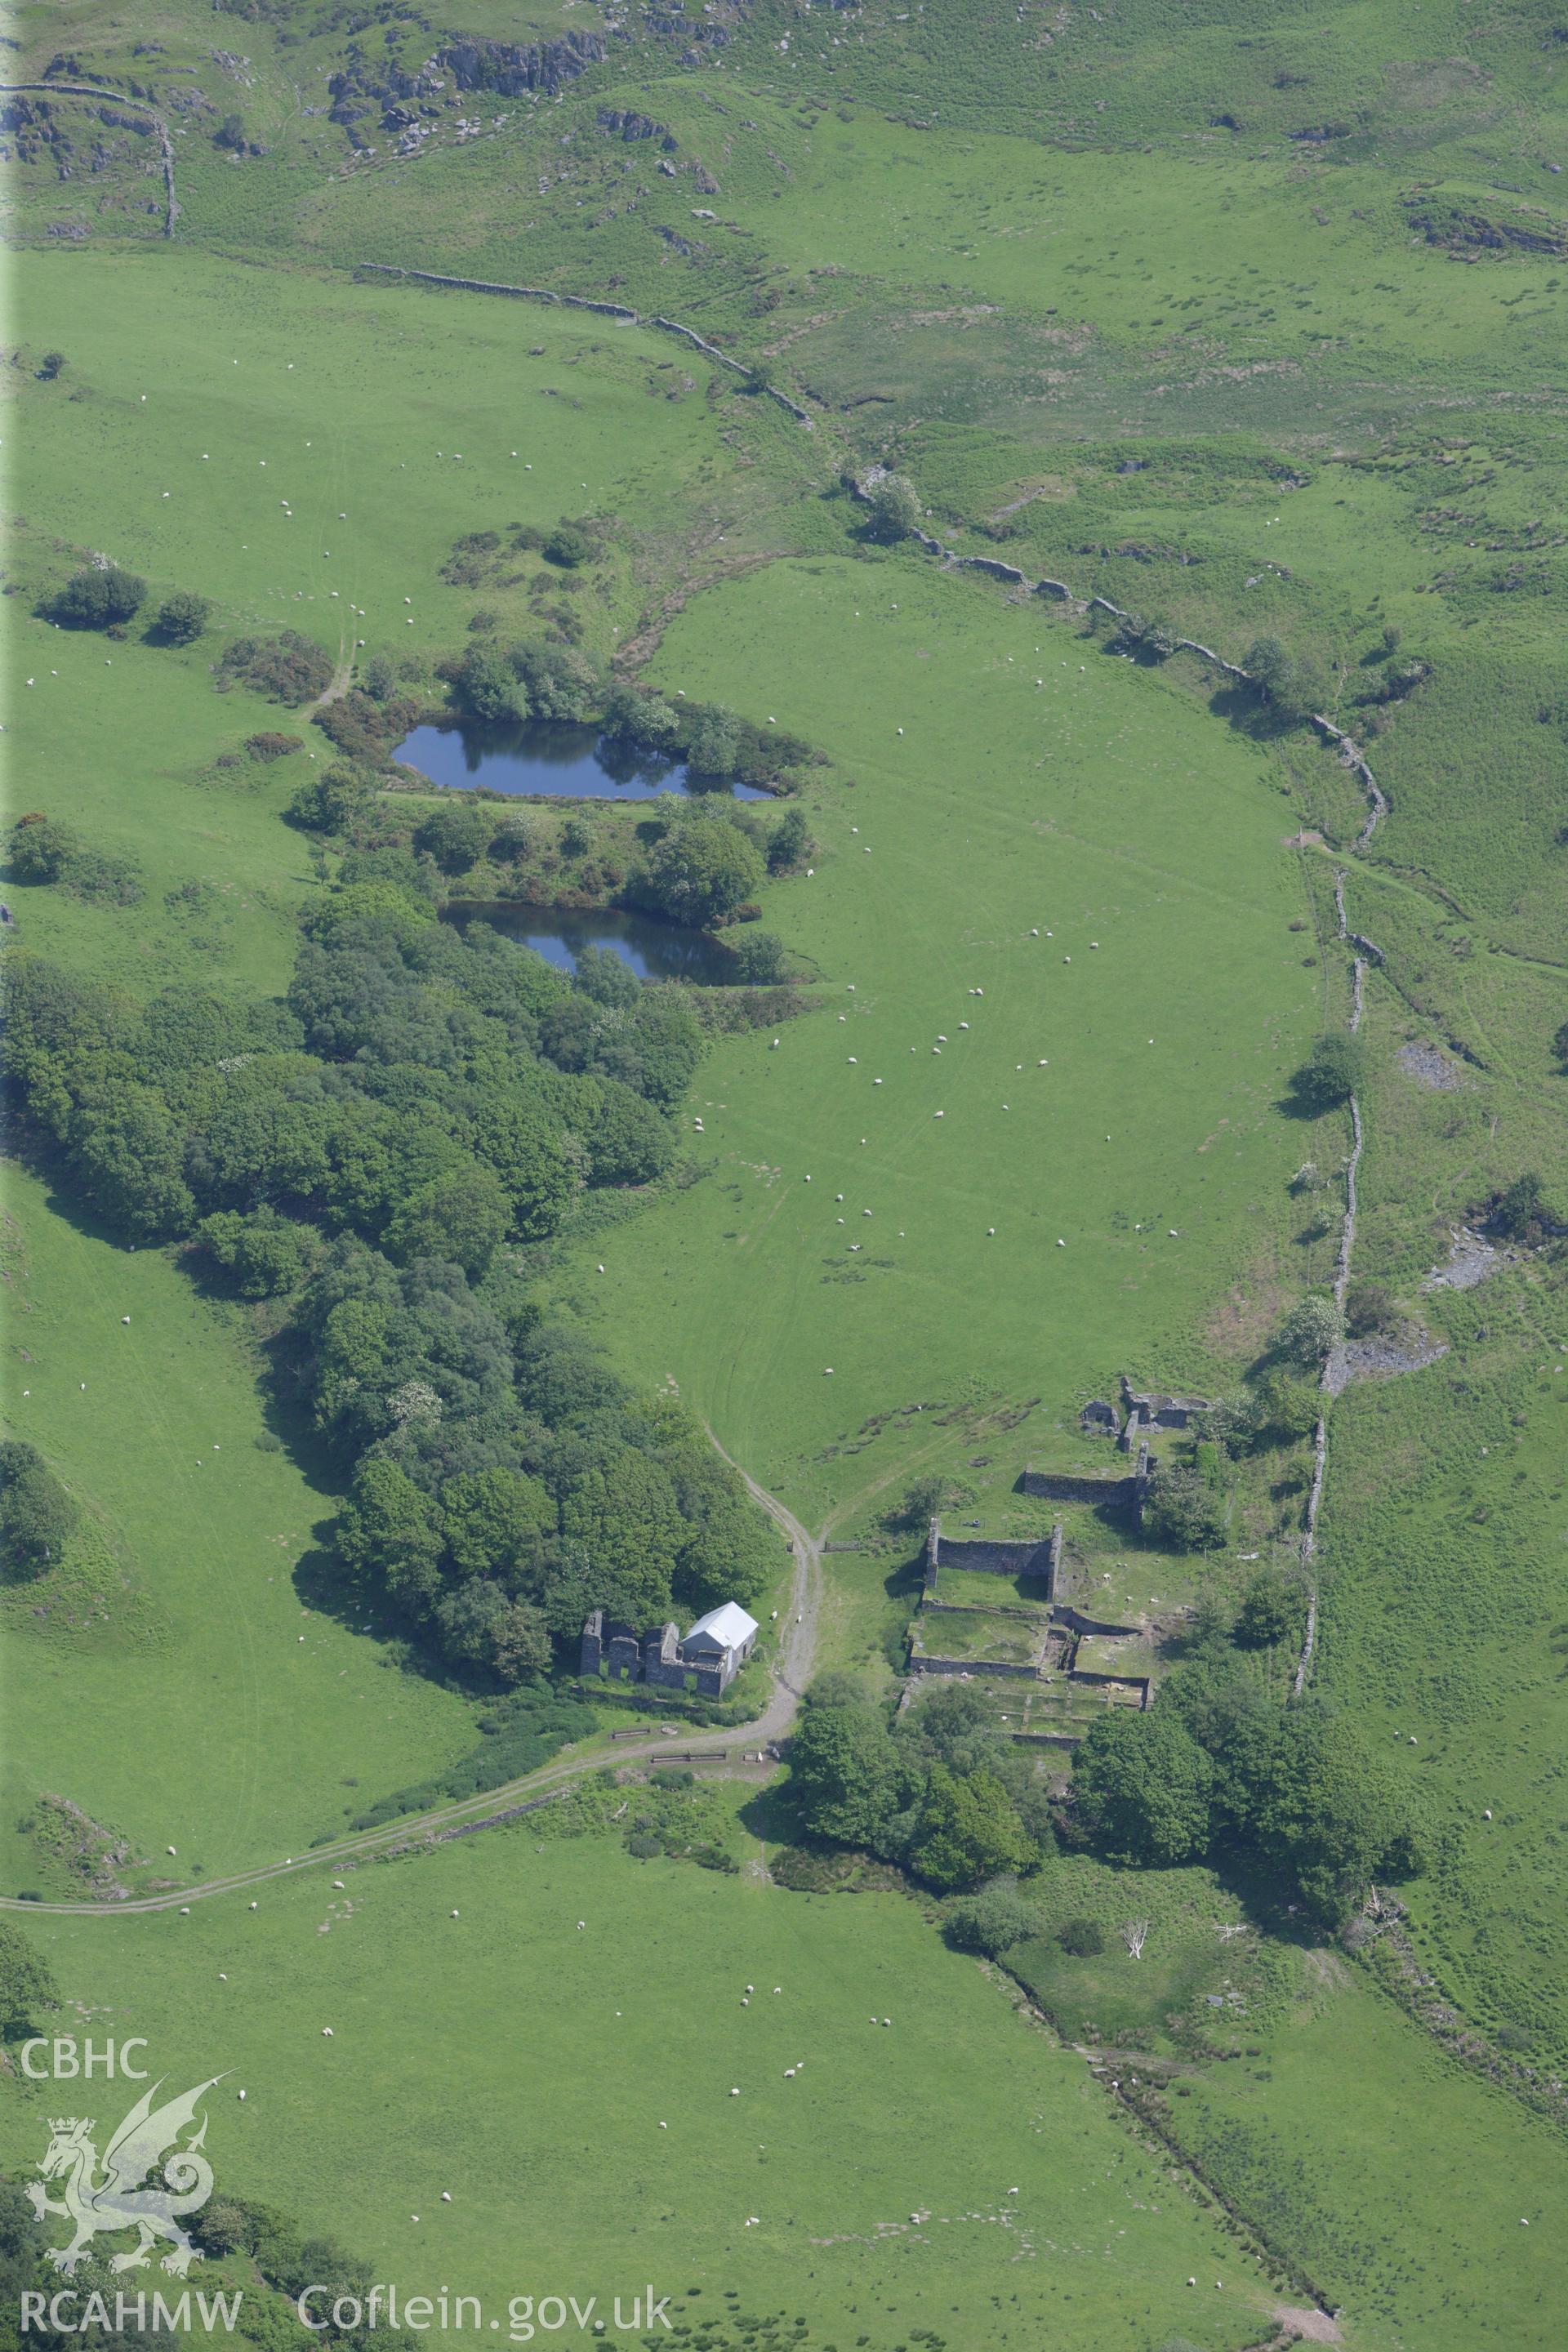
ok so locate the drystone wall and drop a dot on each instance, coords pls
(1029, 1558)
(600, 309)
(1351, 752)
(985, 1669)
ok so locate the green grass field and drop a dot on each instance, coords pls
(1091, 807)
(1247, 323)
(1423, 2200)
(188, 1711)
(529, 2068)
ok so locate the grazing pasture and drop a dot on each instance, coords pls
(1448, 1498)
(1416, 2196)
(271, 441)
(1042, 798)
(188, 1677)
(1247, 324)
(954, 2170)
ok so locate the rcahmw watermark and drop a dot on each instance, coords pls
(526, 2316)
(69, 2312)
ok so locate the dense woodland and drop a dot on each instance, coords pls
(1219, 1770)
(363, 1154)
(368, 1153)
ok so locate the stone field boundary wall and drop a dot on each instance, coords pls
(615, 311)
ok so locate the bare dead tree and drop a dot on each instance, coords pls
(1132, 1934)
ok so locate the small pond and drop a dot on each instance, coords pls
(655, 950)
(538, 755)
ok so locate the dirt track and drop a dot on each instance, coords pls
(791, 1675)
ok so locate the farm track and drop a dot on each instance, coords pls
(342, 679)
(793, 1672)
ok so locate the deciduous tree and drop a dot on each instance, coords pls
(1143, 1787)
(182, 617)
(966, 1831)
(461, 1217)
(895, 506)
(27, 1983)
(36, 1515)
(703, 870)
(96, 599)
(846, 1768)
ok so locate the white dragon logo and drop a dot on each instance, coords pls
(145, 2142)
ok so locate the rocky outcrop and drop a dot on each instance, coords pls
(510, 68)
(1453, 226)
(384, 90)
(157, 128)
(673, 26)
(396, 94)
(621, 122)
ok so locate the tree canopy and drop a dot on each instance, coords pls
(1143, 1787)
(98, 598)
(847, 1768)
(1000, 1915)
(895, 506)
(967, 1831)
(27, 1983)
(371, 1154)
(182, 617)
(1183, 1510)
(1288, 684)
(1312, 1328)
(1331, 1073)
(36, 1515)
(703, 870)
(1217, 1766)
(943, 1790)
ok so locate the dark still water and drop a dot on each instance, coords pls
(655, 950)
(541, 755)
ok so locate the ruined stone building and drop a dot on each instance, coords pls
(705, 1661)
